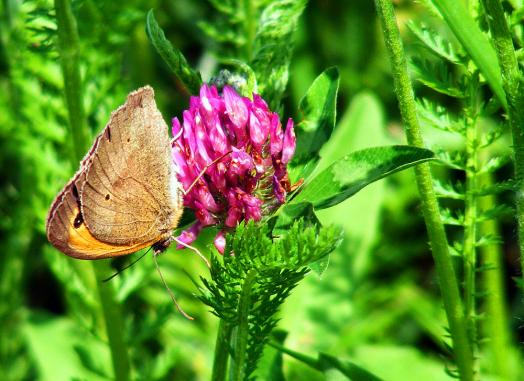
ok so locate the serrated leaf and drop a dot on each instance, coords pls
(436, 44)
(493, 164)
(474, 42)
(347, 176)
(436, 76)
(171, 56)
(495, 212)
(508, 185)
(448, 190)
(273, 46)
(439, 117)
(448, 218)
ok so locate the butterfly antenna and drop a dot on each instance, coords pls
(195, 250)
(169, 290)
(126, 267)
(203, 171)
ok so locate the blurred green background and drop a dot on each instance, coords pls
(377, 304)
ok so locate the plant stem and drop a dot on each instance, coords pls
(113, 322)
(513, 82)
(470, 218)
(496, 325)
(221, 351)
(69, 50)
(241, 332)
(437, 235)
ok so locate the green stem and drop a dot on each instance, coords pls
(69, 50)
(470, 221)
(513, 83)
(114, 323)
(241, 331)
(496, 324)
(437, 235)
(221, 351)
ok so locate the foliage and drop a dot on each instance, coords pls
(372, 308)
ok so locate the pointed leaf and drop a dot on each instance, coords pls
(347, 176)
(350, 370)
(474, 42)
(172, 57)
(318, 108)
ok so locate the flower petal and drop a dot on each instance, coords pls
(290, 142)
(188, 236)
(276, 136)
(220, 241)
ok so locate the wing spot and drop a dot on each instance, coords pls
(128, 140)
(108, 196)
(79, 219)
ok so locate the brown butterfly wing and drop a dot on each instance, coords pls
(67, 231)
(130, 195)
(145, 201)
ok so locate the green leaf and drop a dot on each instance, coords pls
(289, 214)
(319, 112)
(353, 172)
(273, 46)
(67, 337)
(270, 367)
(474, 42)
(350, 370)
(363, 118)
(318, 108)
(326, 363)
(437, 44)
(172, 57)
(437, 76)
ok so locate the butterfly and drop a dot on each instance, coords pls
(126, 195)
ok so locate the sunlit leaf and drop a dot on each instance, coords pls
(348, 175)
(318, 108)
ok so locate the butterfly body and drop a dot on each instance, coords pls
(125, 196)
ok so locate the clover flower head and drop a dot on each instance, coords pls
(231, 152)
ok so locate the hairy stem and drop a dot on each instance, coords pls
(69, 50)
(221, 351)
(437, 235)
(513, 83)
(241, 331)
